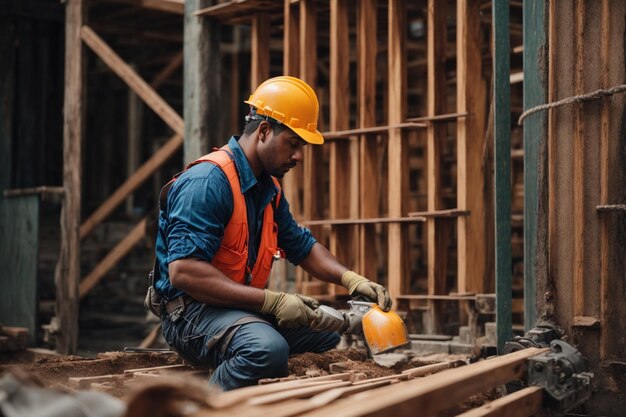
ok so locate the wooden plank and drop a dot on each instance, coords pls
(291, 59)
(450, 213)
(203, 110)
(525, 402)
(470, 96)
(440, 118)
(380, 220)
(432, 394)
(342, 196)
(132, 79)
(303, 392)
(579, 199)
(117, 253)
(85, 382)
(67, 272)
(346, 134)
(292, 183)
(177, 367)
(436, 231)
(605, 138)
(168, 6)
(232, 398)
(586, 321)
(312, 204)
(397, 154)
(140, 176)
(369, 186)
(291, 66)
(19, 249)
(174, 64)
(260, 49)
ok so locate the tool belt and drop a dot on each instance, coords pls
(176, 307)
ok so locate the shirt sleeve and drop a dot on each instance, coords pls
(199, 208)
(295, 240)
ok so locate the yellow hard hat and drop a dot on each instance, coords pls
(292, 102)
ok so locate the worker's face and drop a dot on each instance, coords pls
(279, 152)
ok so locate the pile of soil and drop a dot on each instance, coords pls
(355, 360)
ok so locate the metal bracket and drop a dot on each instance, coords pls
(562, 374)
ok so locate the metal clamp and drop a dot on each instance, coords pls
(562, 374)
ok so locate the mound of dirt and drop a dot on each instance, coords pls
(355, 360)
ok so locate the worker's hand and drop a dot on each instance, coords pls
(358, 285)
(290, 310)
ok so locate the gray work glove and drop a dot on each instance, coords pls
(290, 310)
(331, 320)
(361, 286)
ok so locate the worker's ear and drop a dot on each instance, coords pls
(264, 130)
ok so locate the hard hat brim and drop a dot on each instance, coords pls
(314, 138)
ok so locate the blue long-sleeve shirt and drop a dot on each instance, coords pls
(199, 207)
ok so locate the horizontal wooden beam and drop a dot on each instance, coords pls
(522, 403)
(435, 393)
(450, 117)
(133, 80)
(168, 6)
(437, 297)
(131, 184)
(342, 134)
(364, 221)
(440, 213)
(41, 190)
(109, 261)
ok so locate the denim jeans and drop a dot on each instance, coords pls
(256, 350)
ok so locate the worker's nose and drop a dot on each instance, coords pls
(297, 155)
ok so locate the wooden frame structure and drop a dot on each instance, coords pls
(366, 213)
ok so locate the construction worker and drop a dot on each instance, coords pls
(221, 222)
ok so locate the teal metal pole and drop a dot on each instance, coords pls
(502, 150)
(535, 156)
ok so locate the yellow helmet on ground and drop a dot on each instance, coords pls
(292, 102)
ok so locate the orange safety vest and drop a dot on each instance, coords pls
(232, 257)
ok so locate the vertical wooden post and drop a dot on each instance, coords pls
(535, 152)
(397, 148)
(369, 188)
(436, 96)
(260, 45)
(579, 165)
(342, 237)
(202, 82)
(67, 272)
(502, 158)
(604, 183)
(313, 204)
(133, 145)
(470, 92)
(291, 66)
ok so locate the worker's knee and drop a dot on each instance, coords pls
(263, 350)
(273, 356)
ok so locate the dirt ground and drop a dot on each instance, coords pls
(55, 371)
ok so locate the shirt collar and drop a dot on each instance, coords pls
(246, 175)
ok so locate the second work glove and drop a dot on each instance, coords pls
(361, 286)
(290, 310)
